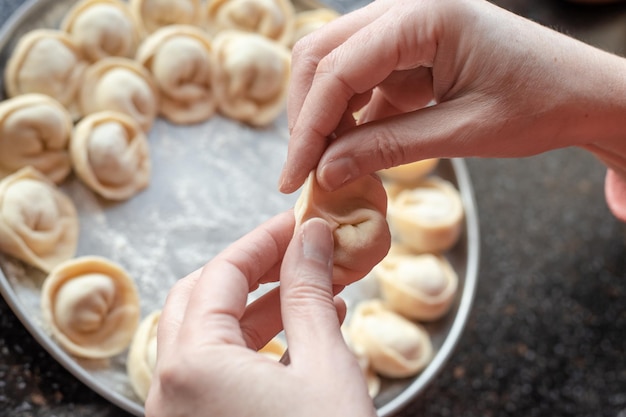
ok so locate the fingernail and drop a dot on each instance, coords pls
(339, 172)
(317, 241)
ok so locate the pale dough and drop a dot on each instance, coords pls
(142, 355)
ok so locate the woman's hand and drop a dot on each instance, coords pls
(207, 364)
(503, 87)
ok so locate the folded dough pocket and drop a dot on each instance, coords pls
(357, 215)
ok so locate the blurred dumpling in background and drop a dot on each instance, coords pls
(152, 15)
(181, 60)
(102, 28)
(142, 354)
(35, 130)
(308, 21)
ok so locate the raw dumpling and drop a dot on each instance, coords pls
(273, 19)
(110, 155)
(395, 346)
(251, 78)
(428, 217)
(38, 223)
(410, 173)
(274, 349)
(122, 85)
(371, 379)
(47, 62)
(182, 64)
(420, 287)
(142, 355)
(91, 307)
(155, 14)
(309, 21)
(356, 214)
(35, 130)
(102, 28)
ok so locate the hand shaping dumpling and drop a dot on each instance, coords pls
(142, 355)
(356, 213)
(38, 223)
(102, 28)
(47, 62)
(35, 130)
(122, 85)
(155, 14)
(91, 307)
(110, 155)
(273, 19)
(420, 287)
(395, 346)
(309, 21)
(182, 64)
(251, 78)
(428, 217)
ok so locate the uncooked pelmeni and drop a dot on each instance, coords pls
(272, 19)
(122, 85)
(110, 154)
(102, 28)
(356, 214)
(142, 355)
(152, 15)
(90, 305)
(427, 217)
(420, 287)
(409, 173)
(274, 349)
(181, 60)
(251, 78)
(371, 378)
(47, 62)
(395, 346)
(308, 21)
(35, 131)
(38, 223)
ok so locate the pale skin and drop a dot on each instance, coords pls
(503, 87)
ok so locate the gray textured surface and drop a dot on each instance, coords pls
(547, 335)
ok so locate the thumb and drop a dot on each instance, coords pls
(309, 312)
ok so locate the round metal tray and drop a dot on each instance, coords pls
(211, 183)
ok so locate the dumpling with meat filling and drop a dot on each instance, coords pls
(35, 130)
(182, 64)
(272, 19)
(420, 287)
(252, 77)
(356, 214)
(122, 85)
(102, 28)
(308, 21)
(427, 217)
(142, 354)
(110, 154)
(38, 223)
(91, 307)
(155, 14)
(47, 62)
(395, 346)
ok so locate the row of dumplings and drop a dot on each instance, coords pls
(147, 59)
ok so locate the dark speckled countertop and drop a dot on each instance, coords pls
(547, 333)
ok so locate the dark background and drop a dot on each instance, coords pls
(547, 333)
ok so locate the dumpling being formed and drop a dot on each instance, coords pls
(395, 346)
(252, 77)
(91, 307)
(122, 85)
(182, 64)
(102, 28)
(427, 217)
(110, 154)
(308, 21)
(35, 130)
(420, 287)
(142, 355)
(356, 214)
(38, 223)
(155, 14)
(47, 62)
(272, 19)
